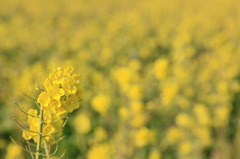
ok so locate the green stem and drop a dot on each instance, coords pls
(40, 134)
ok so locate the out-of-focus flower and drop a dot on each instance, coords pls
(13, 151)
(82, 123)
(101, 103)
(143, 136)
(155, 155)
(102, 151)
(161, 68)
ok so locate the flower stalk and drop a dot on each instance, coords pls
(39, 134)
(60, 95)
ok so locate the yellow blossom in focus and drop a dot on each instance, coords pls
(32, 112)
(43, 99)
(56, 76)
(72, 103)
(27, 135)
(55, 92)
(67, 71)
(60, 111)
(69, 86)
(55, 102)
(48, 129)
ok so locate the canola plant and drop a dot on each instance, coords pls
(160, 78)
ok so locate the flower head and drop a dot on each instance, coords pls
(61, 95)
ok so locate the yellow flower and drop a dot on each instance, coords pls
(174, 135)
(161, 68)
(184, 120)
(100, 134)
(122, 75)
(58, 125)
(60, 111)
(143, 137)
(138, 120)
(135, 65)
(32, 112)
(202, 114)
(47, 84)
(54, 103)
(185, 148)
(136, 107)
(82, 123)
(55, 92)
(204, 136)
(47, 118)
(69, 86)
(27, 135)
(135, 92)
(123, 112)
(67, 71)
(44, 99)
(13, 151)
(169, 92)
(101, 103)
(56, 76)
(155, 155)
(101, 151)
(48, 129)
(72, 103)
(221, 115)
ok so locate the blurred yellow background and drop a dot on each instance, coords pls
(161, 78)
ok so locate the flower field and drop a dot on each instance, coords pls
(161, 79)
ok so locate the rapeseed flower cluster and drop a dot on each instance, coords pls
(61, 95)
